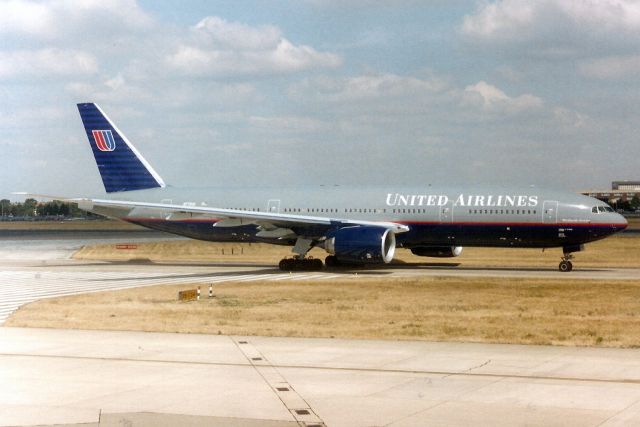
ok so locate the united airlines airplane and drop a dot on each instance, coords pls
(354, 225)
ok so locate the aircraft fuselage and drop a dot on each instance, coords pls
(474, 216)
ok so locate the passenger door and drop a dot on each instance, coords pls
(273, 206)
(550, 212)
(446, 212)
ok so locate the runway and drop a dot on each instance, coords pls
(133, 378)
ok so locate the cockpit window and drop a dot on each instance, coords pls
(602, 209)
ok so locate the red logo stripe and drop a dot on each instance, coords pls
(103, 144)
(97, 136)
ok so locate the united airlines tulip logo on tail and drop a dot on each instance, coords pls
(104, 140)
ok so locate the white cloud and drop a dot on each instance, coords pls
(177, 95)
(116, 82)
(510, 19)
(217, 32)
(367, 87)
(359, 5)
(212, 48)
(556, 28)
(24, 118)
(410, 96)
(289, 124)
(568, 118)
(46, 62)
(26, 17)
(53, 19)
(612, 67)
(115, 89)
(490, 98)
(221, 48)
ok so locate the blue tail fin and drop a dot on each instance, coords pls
(121, 166)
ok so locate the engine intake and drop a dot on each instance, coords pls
(362, 244)
(437, 251)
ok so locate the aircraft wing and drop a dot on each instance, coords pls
(231, 217)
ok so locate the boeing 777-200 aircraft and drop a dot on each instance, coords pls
(362, 225)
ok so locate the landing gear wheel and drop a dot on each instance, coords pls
(286, 264)
(331, 261)
(565, 266)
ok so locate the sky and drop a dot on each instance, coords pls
(311, 92)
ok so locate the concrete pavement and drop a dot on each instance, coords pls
(64, 376)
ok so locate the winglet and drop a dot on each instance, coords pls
(121, 166)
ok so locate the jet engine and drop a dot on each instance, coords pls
(361, 244)
(437, 251)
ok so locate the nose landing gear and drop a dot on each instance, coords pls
(566, 265)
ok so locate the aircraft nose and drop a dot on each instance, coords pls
(619, 222)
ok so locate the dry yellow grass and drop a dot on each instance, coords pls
(616, 251)
(560, 312)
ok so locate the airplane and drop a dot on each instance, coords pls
(354, 225)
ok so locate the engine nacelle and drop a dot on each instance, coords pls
(362, 244)
(437, 251)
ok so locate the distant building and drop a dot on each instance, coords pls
(621, 191)
(626, 185)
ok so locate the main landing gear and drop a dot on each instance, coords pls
(300, 264)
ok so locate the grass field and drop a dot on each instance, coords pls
(560, 312)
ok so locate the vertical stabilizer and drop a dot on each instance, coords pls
(121, 166)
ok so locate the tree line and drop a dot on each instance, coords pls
(31, 208)
(629, 205)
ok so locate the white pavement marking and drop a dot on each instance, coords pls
(30, 284)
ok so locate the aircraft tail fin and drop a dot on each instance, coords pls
(121, 166)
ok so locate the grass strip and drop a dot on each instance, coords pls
(523, 311)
